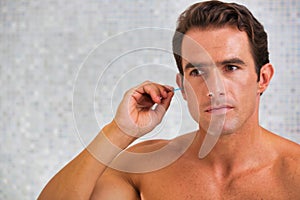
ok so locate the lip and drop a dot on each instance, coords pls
(221, 109)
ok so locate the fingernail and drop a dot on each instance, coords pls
(169, 87)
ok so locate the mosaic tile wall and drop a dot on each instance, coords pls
(43, 46)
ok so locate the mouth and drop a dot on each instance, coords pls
(222, 109)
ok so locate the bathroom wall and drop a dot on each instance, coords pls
(64, 65)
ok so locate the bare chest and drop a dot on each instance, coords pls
(196, 185)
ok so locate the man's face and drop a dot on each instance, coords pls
(220, 82)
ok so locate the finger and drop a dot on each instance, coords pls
(161, 109)
(169, 88)
(165, 103)
(161, 90)
(149, 89)
(145, 101)
(164, 90)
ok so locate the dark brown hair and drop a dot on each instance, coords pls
(216, 14)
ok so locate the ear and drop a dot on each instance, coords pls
(266, 74)
(179, 81)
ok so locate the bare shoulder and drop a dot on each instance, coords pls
(288, 161)
(117, 181)
(120, 178)
(180, 143)
(152, 155)
(148, 146)
(290, 157)
(287, 148)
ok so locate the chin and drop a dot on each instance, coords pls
(220, 127)
(230, 128)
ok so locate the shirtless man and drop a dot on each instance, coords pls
(247, 162)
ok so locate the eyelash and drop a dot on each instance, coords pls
(227, 68)
(199, 72)
(231, 66)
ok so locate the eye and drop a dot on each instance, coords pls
(231, 68)
(196, 72)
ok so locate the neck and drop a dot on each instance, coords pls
(237, 152)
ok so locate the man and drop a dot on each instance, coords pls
(222, 55)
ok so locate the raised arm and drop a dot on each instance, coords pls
(134, 118)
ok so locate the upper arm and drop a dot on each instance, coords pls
(114, 186)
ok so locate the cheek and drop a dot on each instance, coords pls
(244, 94)
(245, 88)
(193, 98)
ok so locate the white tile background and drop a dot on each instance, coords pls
(44, 43)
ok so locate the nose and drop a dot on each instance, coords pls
(214, 82)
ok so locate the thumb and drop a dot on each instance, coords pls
(161, 108)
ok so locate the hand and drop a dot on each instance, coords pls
(136, 114)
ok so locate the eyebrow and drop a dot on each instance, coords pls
(234, 60)
(195, 65)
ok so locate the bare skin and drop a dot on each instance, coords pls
(248, 162)
(267, 172)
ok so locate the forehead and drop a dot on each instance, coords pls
(215, 45)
